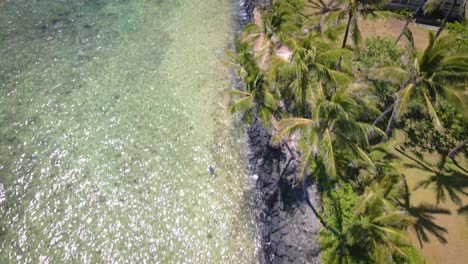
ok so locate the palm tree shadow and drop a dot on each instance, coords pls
(445, 179)
(424, 215)
(463, 211)
(459, 166)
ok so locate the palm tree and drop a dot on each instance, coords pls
(354, 9)
(375, 233)
(334, 11)
(332, 133)
(276, 24)
(326, 13)
(411, 18)
(307, 66)
(333, 130)
(343, 251)
(438, 72)
(428, 6)
(378, 224)
(376, 229)
(380, 228)
(433, 5)
(457, 148)
(256, 99)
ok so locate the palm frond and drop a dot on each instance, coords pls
(435, 119)
(340, 78)
(230, 92)
(240, 105)
(289, 125)
(328, 156)
(404, 99)
(305, 161)
(264, 115)
(269, 101)
(363, 155)
(458, 99)
(356, 33)
(391, 74)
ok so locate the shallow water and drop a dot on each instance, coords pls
(109, 117)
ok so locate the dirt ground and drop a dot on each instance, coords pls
(391, 28)
(435, 252)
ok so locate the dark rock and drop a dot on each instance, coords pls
(275, 222)
(280, 249)
(281, 205)
(277, 260)
(299, 260)
(260, 162)
(284, 230)
(286, 237)
(282, 214)
(293, 253)
(275, 176)
(275, 237)
(313, 252)
(275, 213)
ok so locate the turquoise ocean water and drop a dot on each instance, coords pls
(109, 118)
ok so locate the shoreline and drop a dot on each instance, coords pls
(286, 226)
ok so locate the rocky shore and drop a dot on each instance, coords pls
(287, 227)
(247, 7)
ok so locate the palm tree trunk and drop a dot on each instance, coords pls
(442, 26)
(388, 131)
(304, 82)
(348, 25)
(411, 18)
(304, 102)
(381, 116)
(455, 150)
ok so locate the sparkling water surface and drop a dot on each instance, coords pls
(109, 117)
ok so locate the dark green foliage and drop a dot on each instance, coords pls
(341, 198)
(338, 210)
(421, 135)
(412, 256)
(460, 29)
(424, 79)
(377, 52)
(385, 93)
(404, 12)
(296, 4)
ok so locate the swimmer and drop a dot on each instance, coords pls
(211, 169)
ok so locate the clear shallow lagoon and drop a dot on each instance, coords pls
(109, 117)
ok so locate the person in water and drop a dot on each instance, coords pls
(211, 169)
